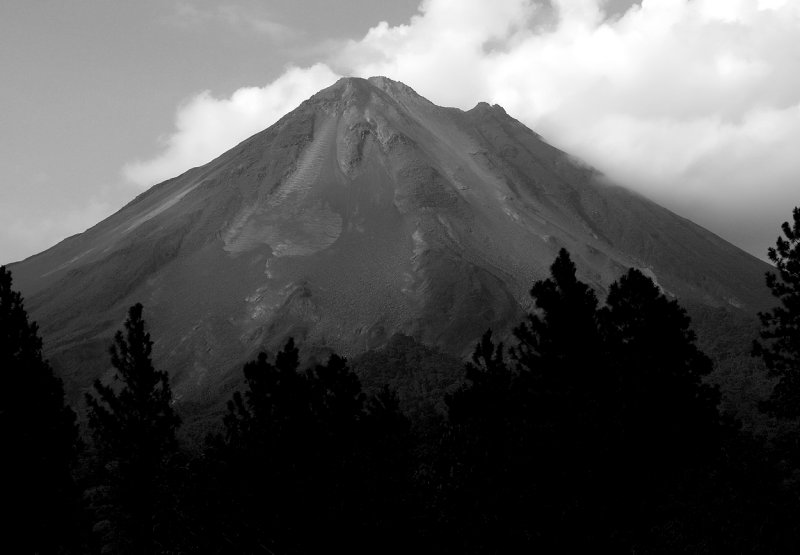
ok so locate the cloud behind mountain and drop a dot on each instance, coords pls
(695, 103)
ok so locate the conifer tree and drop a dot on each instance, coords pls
(559, 343)
(484, 411)
(388, 430)
(134, 426)
(39, 436)
(336, 400)
(564, 393)
(664, 424)
(484, 467)
(555, 451)
(780, 334)
(665, 405)
(559, 356)
(275, 404)
(300, 443)
(268, 447)
(386, 506)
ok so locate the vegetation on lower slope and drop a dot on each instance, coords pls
(598, 428)
(421, 376)
(726, 336)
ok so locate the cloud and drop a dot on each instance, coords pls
(206, 126)
(236, 16)
(696, 103)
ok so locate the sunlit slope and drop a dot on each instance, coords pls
(365, 212)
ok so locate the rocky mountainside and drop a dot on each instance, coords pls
(365, 212)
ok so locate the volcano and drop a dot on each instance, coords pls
(365, 212)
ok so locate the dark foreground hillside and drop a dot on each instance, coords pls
(595, 428)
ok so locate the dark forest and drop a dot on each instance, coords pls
(595, 429)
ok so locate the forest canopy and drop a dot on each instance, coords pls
(594, 427)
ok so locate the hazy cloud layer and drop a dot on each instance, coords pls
(695, 103)
(235, 16)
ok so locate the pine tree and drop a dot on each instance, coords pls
(559, 343)
(484, 410)
(275, 405)
(564, 390)
(665, 407)
(134, 426)
(780, 334)
(297, 442)
(560, 360)
(664, 424)
(39, 435)
(336, 399)
(484, 465)
(268, 449)
(386, 505)
(599, 416)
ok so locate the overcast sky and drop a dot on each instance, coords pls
(694, 103)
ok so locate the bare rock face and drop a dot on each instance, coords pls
(365, 212)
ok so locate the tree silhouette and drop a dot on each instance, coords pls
(566, 313)
(666, 407)
(485, 461)
(39, 436)
(387, 509)
(275, 404)
(560, 357)
(287, 438)
(780, 332)
(586, 436)
(133, 426)
(524, 434)
(305, 449)
(266, 450)
(666, 428)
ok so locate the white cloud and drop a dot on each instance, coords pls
(207, 126)
(694, 102)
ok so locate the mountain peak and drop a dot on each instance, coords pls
(347, 89)
(367, 211)
(395, 89)
(486, 108)
(358, 91)
(346, 84)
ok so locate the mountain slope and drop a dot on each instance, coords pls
(365, 212)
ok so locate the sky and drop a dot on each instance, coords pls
(694, 103)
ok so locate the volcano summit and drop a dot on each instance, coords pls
(365, 212)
